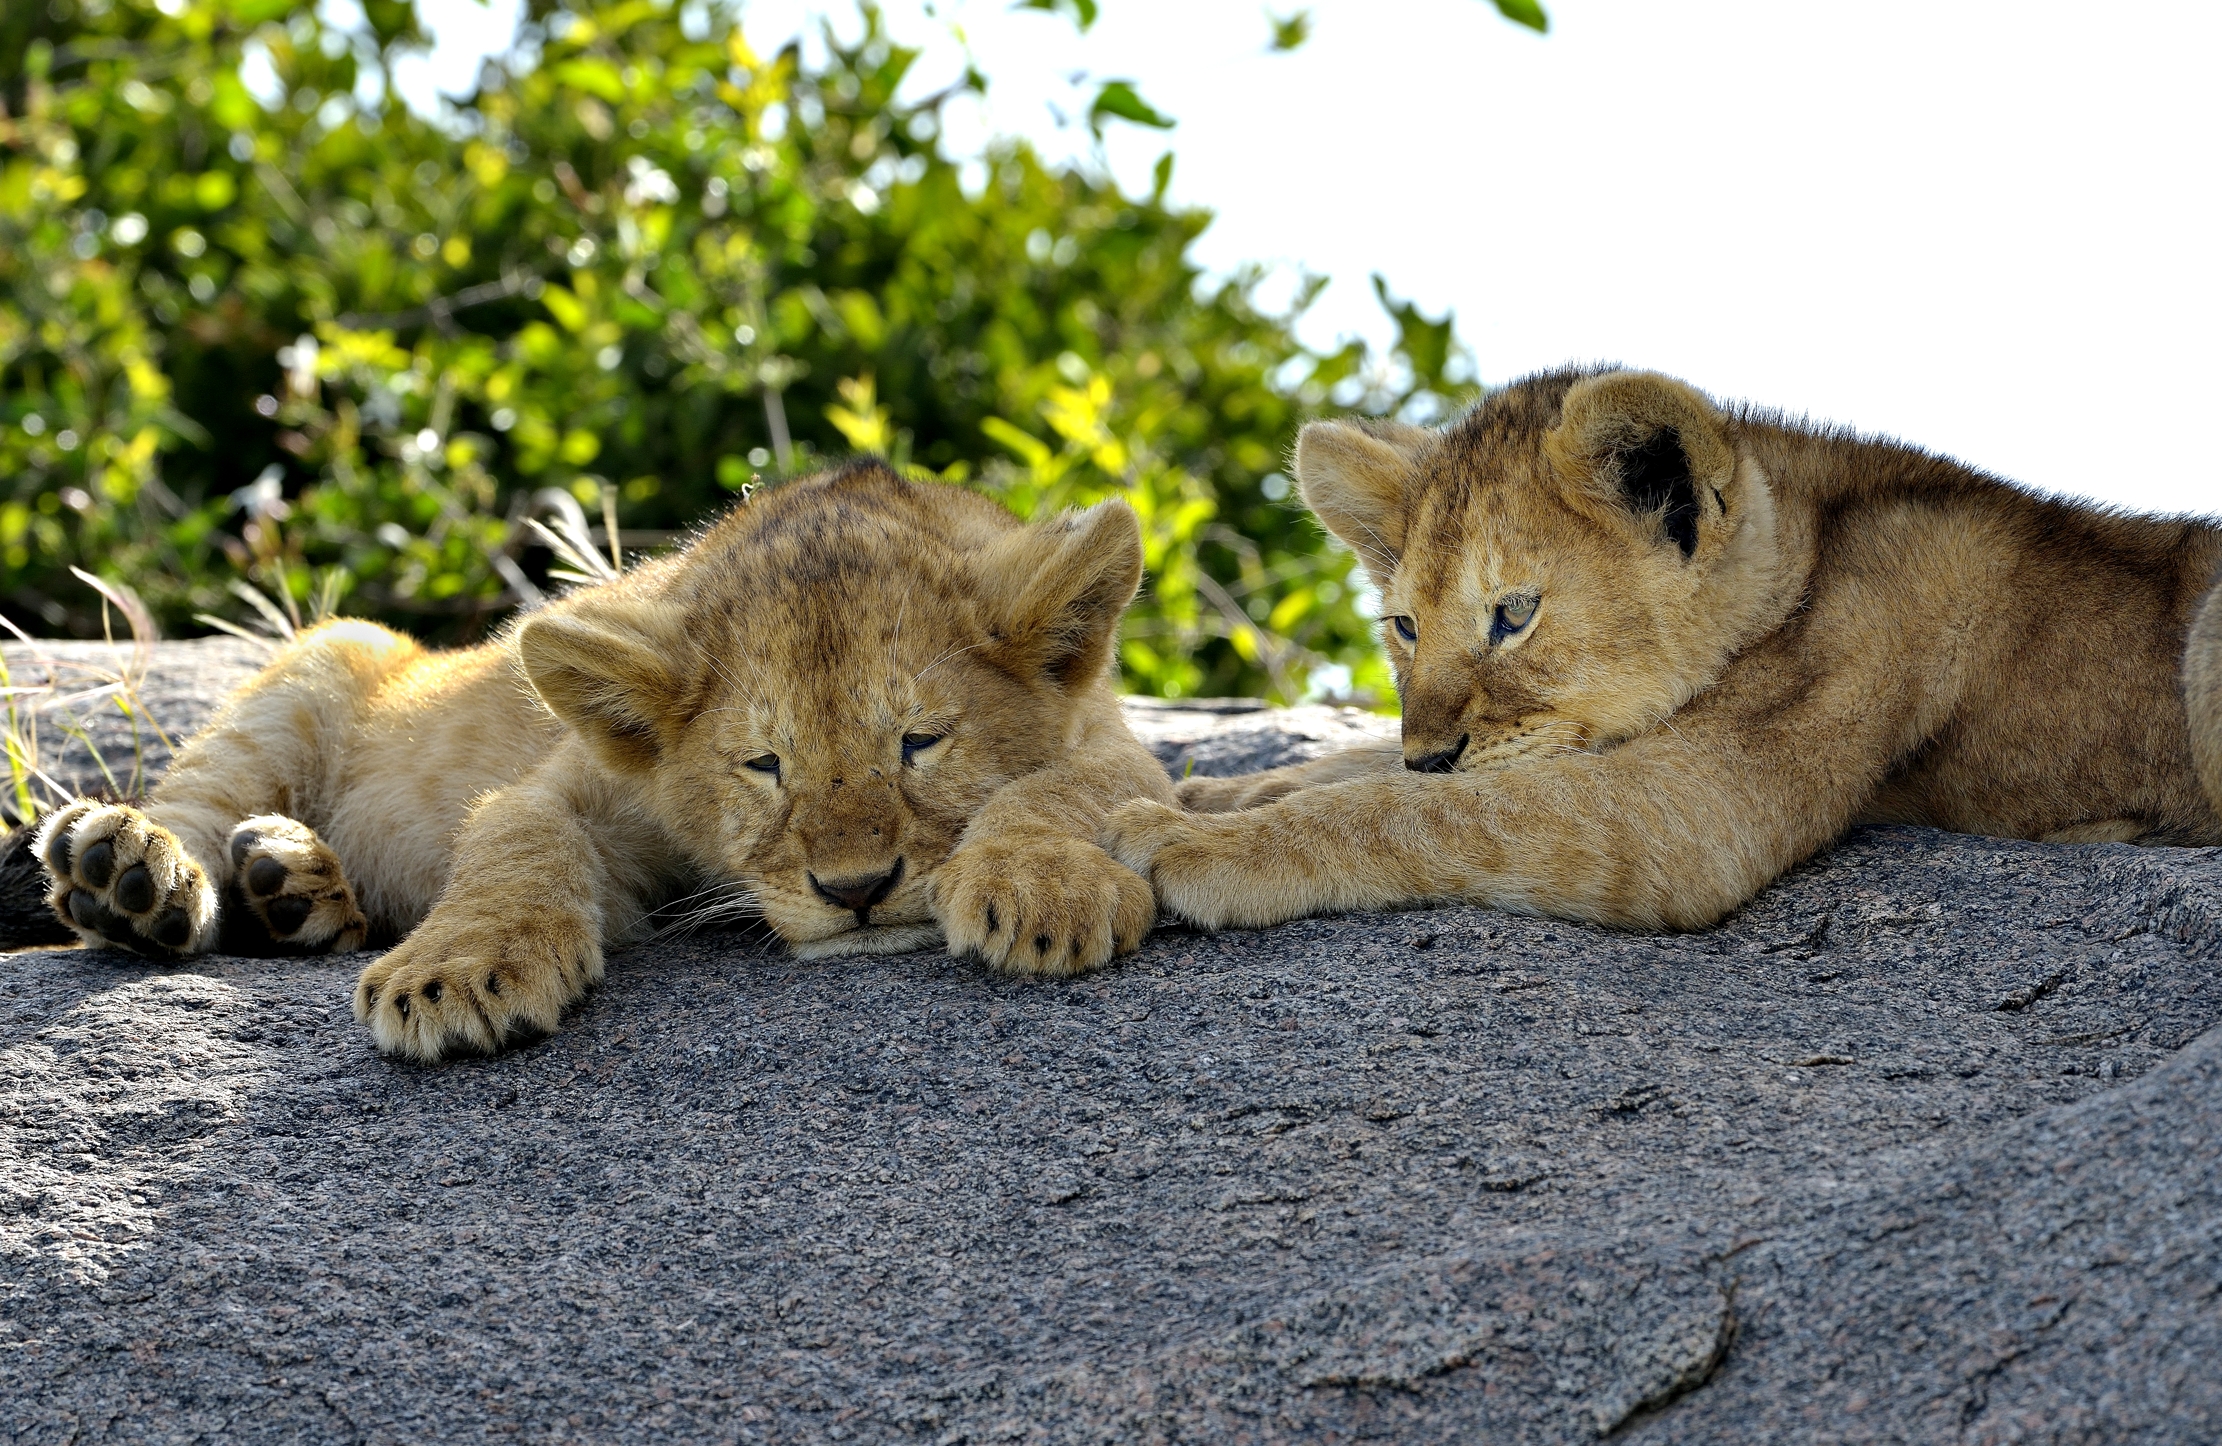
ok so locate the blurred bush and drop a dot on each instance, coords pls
(261, 323)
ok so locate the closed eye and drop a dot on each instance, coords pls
(917, 743)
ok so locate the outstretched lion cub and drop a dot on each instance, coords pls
(1652, 653)
(881, 708)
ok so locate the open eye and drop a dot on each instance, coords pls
(917, 743)
(1406, 628)
(763, 763)
(1511, 616)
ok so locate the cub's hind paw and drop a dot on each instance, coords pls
(117, 877)
(294, 885)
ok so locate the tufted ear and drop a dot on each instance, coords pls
(1356, 476)
(1653, 446)
(605, 679)
(1057, 589)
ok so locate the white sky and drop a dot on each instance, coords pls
(1988, 228)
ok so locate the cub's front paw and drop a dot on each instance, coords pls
(1137, 832)
(116, 877)
(477, 985)
(1195, 871)
(294, 885)
(1041, 906)
(1230, 795)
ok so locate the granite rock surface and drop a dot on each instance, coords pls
(1923, 1145)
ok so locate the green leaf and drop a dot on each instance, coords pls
(1118, 98)
(249, 13)
(1291, 32)
(1028, 448)
(1525, 12)
(1427, 345)
(1083, 12)
(564, 307)
(594, 76)
(214, 190)
(233, 107)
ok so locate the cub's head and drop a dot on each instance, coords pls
(1560, 569)
(817, 697)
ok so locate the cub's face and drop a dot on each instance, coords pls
(1560, 570)
(819, 697)
(831, 782)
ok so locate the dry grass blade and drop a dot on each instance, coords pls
(274, 618)
(224, 625)
(69, 685)
(570, 540)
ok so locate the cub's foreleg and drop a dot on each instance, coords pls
(1248, 790)
(1027, 889)
(547, 873)
(1655, 834)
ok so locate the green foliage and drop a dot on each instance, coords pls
(1082, 12)
(1525, 12)
(346, 353)
(1118, 100)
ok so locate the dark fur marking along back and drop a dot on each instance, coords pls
(1656, 478)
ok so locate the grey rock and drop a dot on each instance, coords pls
(86, 741)
(1922, 1145)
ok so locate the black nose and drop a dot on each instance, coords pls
(859, 894)
(1442, 762)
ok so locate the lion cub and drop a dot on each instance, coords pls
(878, 712)
(1653, 652)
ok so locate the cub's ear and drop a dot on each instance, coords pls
(1651, 444)
(609, 682)
(1356, 476)
(1057, 588)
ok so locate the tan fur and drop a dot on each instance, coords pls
(1745, 636)
(523, 806)
(2202, 688)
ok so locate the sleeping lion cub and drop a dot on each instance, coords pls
(880, 708)
(1652, 653)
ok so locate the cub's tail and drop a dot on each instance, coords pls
(2202, 692)
(24, 917)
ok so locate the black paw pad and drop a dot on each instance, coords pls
(171, 928)
(266, 878)
(91, 913)
(287, 915)
(135, 890)
(57, 853)
(98, 864)
(240, 844)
